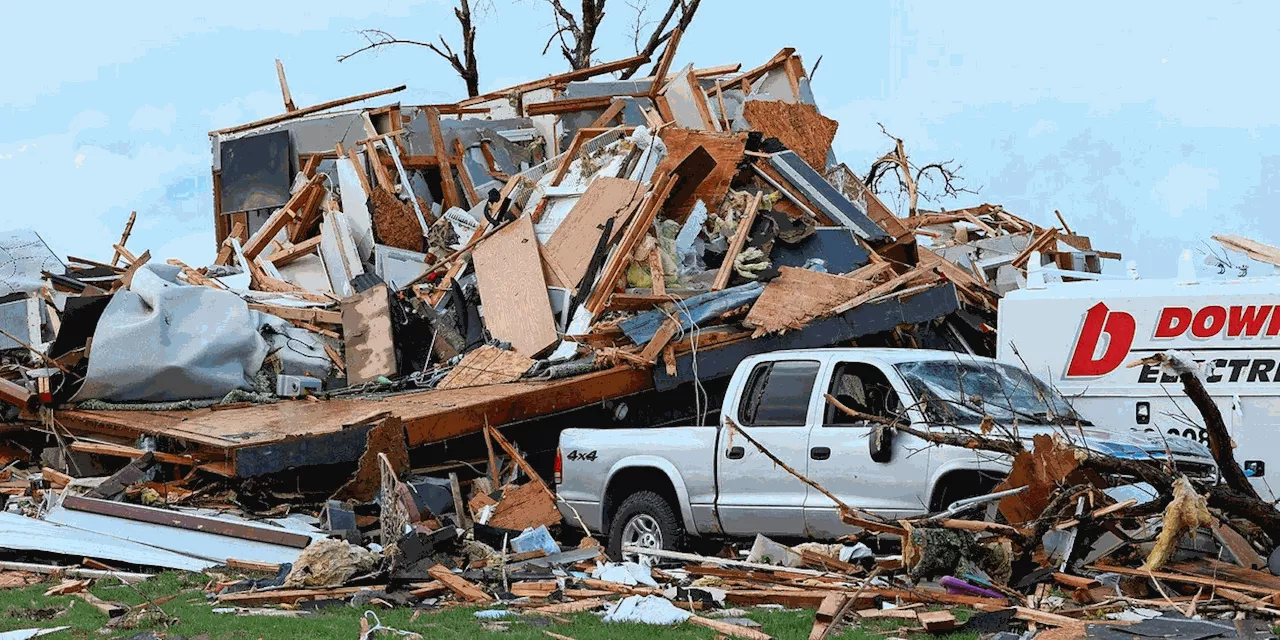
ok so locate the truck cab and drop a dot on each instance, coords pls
(661, 486)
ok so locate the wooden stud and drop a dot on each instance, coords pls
(361, 172)
(664, 64)
(739, 240)
(124, 237)
(284, 88)
(306, 111)
(447, 186)
(280, 218)
(614, 111)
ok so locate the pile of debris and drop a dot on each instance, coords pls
(565, 245)
(395, 277)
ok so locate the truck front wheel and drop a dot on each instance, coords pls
(647, 520)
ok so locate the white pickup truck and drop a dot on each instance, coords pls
(657, 488)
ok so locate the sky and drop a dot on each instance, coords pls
(1150, 126)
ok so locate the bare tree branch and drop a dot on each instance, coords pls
(909, 176)
(660, 32)
(577, 33)
(464, 65)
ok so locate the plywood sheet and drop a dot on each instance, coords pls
(527, 505)
(797, 296)
(486, 365)
(366, 329)
(574, 241)
(797, 125)
(513, 290)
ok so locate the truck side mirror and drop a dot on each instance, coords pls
(881, 443)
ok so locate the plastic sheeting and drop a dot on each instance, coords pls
(161, 340)
(691, 311)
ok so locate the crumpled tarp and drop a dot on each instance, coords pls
(162, 340)
(696, 310)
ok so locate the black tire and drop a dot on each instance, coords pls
(646, 503)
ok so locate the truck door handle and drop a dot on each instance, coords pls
(820, 453)
(734, 453)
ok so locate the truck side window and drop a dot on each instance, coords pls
(863, 388)
(777, 394)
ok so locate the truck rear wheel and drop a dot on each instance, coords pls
(645, 519)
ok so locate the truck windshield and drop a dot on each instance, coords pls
(958, 392)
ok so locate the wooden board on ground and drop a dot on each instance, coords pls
(575, 240)
(725, 148)
(486, 365)
(527, 505)
(513, 291)
(798, 126)
(458, 584)
(366, 328)
(798, 296)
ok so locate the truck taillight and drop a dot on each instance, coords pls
(559, 468)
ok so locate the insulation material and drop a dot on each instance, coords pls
(329, 561)
(1187, 512)
(201, 343)
(394, 221)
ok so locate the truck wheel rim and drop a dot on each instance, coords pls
(642, 531)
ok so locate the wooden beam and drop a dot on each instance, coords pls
(284, 88)
(447, 186)
(739, 240)
(124, 237)
(280, 218)
(621, 255)
(303, 314)
(615, 109)
(664, 63)
(306, 111)
(122, 451)
(285, 256)
(752, 75)
(550, 81)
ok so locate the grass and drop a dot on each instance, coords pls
(190, 614)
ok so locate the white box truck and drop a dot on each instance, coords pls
(1079, 335)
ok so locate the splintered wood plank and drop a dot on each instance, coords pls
(486, 365)
(366, 329)
(729, 629)
(459, 585)
(513, 290)
(738, 241)
(798, 126)
(798, 296)
(574, 242)
(727, 149)
(527, 505)
(937, 621)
